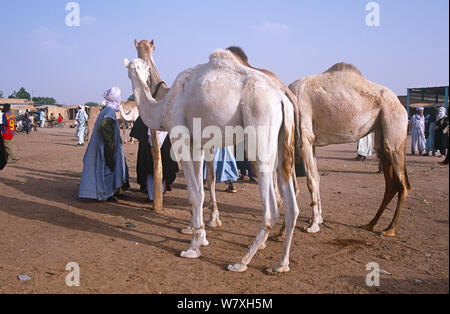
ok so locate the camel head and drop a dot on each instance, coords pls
(149, 109)
(138, 71)
(145, 49)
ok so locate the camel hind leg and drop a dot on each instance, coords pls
(390, 141)
(389, 193)
(214, 221)
(401, 186)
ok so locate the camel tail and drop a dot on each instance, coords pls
(289, 141)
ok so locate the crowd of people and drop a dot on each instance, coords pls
(430, 134)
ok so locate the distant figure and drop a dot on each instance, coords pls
(3, 154)
(105, 171)
(418, 132)
(144, 166)
(76, 123)
(441, 131)
(225, 167)
(82, 119)
(42, 118)
(365, 147)
(8, 130)
(60, 120)
(245, 170)
(27, 123)
(430, 123)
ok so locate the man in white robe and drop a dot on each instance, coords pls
(418, 132)
(365, 147)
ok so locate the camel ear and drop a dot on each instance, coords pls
(152, 44)
(126, 63)
(136, 43)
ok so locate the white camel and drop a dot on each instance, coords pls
(341, 106)
(127, 114)
(225, 93)
(159, 89)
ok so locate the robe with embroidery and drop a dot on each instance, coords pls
(105, 170)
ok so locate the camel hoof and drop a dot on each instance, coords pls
(214, 223)
(191, 254)
(237, 267)
(314, 228)
(319, 220)
(187, 230)
(279, 238)
(204, 242)
(368, 227)
(389, 233)
(279, 268)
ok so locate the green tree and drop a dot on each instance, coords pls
(92, 104)
(21, 94)
(1, 94)
(44, 101)
(131, 98)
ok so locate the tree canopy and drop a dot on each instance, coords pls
(131, 98)
(21, 94)
(44, 101)
(91, 104)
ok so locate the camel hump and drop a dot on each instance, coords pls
(342, 67)
(221, 56)
(240, 54)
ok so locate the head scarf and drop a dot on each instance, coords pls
(441, 113)
(112, 97)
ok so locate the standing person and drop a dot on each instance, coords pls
(27, 123)
(60, 120)
(76, 123)
(245, 170)
(81, 123)
(8, 131)
(440, 133)
(144, 167)
(3, 154)
(418, 132)
(429, 134)
(42, 118)
(225, 167)
(105, 171)
(365, 147)
(446, 160)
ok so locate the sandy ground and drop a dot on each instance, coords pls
(44, 226)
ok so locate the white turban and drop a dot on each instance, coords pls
(441, 113)
(112, 97)
(419, 108)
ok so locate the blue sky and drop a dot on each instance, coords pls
(292, 38)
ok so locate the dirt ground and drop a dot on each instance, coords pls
(44, 226)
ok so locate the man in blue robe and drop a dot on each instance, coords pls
(105, 172)
(225, 167)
